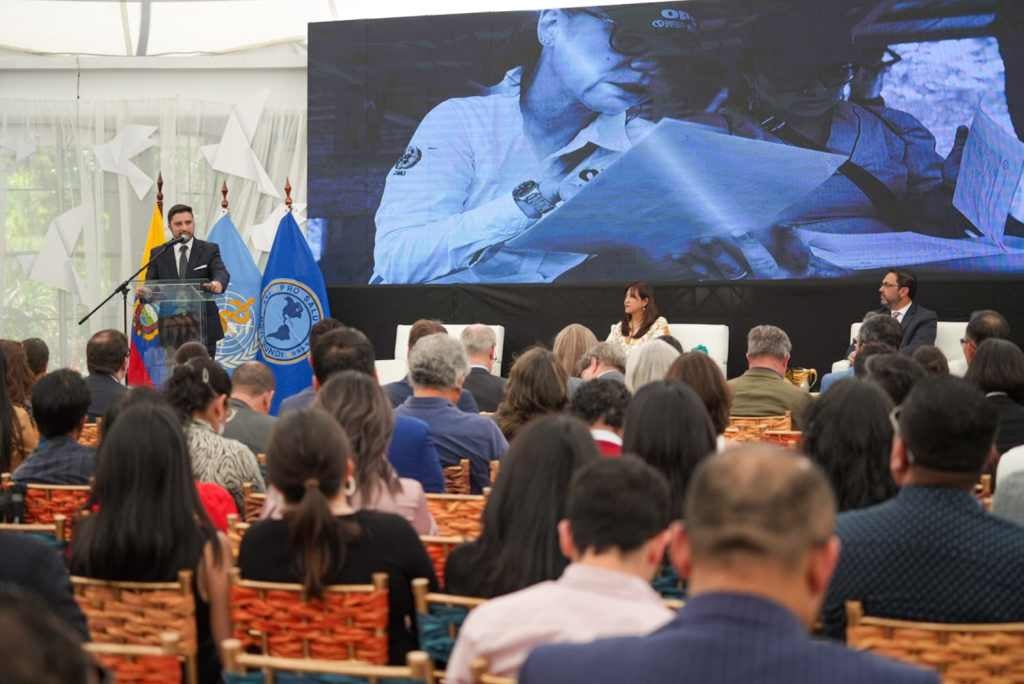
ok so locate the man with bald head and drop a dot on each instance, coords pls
(252, 391)
(758, 550)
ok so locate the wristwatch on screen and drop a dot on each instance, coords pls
(530, 200)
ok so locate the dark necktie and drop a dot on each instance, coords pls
(183, 262)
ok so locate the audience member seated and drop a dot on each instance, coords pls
(537, 385)
(18, 433)
(672, 342)
(437, 369)
(252, 391)
(876, 328)
(38, 648)
(984, 325)
(919, 325)
(106, 357)
(412, 452)
(519, 545)
(703, 375)
(306, 397)
(1008, 500)
(602, 405)
(604, 361)
(998, 370)
(758, 549)
(37, 354)
(932, 359)
(614, 533)
(198, 390)
(860, 362)
(19, 378)
(189, 351)
(932, 553)
(763, 389)
(848, 433)
(34, 566)
(59, 403)
(895, 373)
(667, 426)
(362, 409)
(401, 390)
(216, 500)
(571, 343)
(149, 524)
(649, 363)
(487, 388)
(322, 539)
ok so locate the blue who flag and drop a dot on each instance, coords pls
(239, 307)
(293, 300)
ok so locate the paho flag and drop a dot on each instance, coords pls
(239, 305)
(147, 362)
(293, 299)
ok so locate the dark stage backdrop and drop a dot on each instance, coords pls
(817, 315)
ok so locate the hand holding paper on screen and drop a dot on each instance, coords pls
(990, 176)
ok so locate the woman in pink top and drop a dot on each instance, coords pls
(362, 408)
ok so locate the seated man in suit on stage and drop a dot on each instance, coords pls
(59, 404)
(193, 259)
(306, 397)
(106, 357)
(252, 391)
(437, 368)
(932, 553)
(764, 390)
(401, 390)
(602, 405)
(605, 361)
(983, 325)
(487, 388)
(919, 324)
(614, 533)
(757, 549)
(876, 328)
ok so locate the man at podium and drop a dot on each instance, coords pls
(193, 259)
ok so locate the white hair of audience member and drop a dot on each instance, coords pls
(478, 339)
(768, 340)
(1008, 501)
(649, 363)
(438, 361)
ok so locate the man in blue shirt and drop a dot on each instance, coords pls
(59, 404)
(437, 368)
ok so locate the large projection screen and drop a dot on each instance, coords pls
(687, 141)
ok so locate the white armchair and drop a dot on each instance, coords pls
(714, 337)
(947, 339)
(455, 330)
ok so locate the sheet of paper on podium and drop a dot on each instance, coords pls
(682, 181)
(990, 177)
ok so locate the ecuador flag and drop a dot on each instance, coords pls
(148, 360)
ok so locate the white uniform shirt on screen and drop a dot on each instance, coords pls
(450, 196)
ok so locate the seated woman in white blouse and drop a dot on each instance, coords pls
(640, 321)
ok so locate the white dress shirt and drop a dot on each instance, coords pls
(584, 604)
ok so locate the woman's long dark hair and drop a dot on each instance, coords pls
(537, 384)
(357, 401)
(667, 425)
(19, 376)
(11, 441)
(847, 432)
(307, 461)
(150, 524)
(519, 543)
(642, 291)
(998, 366)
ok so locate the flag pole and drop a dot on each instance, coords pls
(288, 194)
(160, 191)
(224, 196)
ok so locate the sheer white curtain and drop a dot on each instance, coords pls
(62, 173)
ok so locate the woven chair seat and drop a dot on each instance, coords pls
(349, 623)
(439, 618)
(457, 515)
(281, 670)
(253, 502)
(90, 435)
(752, 429)
(786, 438)
(456, 478)
(43, 502)
(141, 664)
(439, 548)
(960, 652)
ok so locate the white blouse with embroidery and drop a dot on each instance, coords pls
(658, 329)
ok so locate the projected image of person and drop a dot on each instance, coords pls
(480, 170)
(795, 73)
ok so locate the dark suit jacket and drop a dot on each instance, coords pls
(1010, 432)
(717, 639)
(104, 390)
(400, 390)
(204, 263)
(412, 454)
(919, 327)
(35, 567)
(249, 427)
(486, 388)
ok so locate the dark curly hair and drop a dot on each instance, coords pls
(606, 400)
(193, 385)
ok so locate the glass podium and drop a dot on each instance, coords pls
(169, 313)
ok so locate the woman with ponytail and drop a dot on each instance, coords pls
(322, 540)
(18, 434)
(199, 390)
